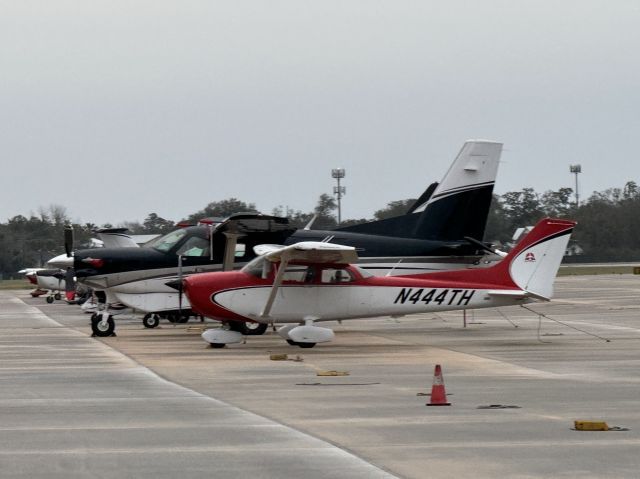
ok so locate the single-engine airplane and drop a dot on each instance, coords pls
(309, 282)
(432, 236)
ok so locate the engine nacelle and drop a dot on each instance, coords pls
(221, 336)
(311, 334)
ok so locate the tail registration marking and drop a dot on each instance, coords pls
(440, 297)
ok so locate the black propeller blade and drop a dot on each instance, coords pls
(181, 288)
(68, 240)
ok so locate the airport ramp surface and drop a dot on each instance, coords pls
(73, 407)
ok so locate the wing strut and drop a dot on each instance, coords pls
(274, 289)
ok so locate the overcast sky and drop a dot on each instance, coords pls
(116, 109)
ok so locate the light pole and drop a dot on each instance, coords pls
(576, 169)
(338, 173)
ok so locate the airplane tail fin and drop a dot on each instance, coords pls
(531, 266)
(534, 262)
(455, 208)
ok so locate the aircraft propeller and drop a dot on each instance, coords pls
(68, 240)
(180, 289)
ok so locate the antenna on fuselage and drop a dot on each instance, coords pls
(310, 223)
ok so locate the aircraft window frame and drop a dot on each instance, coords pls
(256, 267)
(165, 243)
(191, 248)
(241, 250)
(336, 275)
(298, 273)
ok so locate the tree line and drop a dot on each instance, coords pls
(608, 223)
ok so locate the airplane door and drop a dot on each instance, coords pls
(338, 297)
(298, 296)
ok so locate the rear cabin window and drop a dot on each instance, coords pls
(336, 275)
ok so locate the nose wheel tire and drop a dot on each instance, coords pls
(306, 345)
(151, 320)
(101, 328)
(217, 345)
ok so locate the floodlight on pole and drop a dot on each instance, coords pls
(576, 169)
(339, 191)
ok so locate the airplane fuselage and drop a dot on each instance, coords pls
(330, 303)
(240, 296)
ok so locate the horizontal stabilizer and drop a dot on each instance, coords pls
(517, 294)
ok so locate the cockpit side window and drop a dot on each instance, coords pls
(336, 275)
(194, 246)
(297, 273)
(168, 241)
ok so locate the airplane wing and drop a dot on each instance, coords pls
(263, 249)
(314, 252)
(309, 252)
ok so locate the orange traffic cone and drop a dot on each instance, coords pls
(438, 394)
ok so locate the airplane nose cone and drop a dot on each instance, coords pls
(62, 261)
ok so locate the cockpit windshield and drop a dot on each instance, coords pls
(168, 241)
(256, 267)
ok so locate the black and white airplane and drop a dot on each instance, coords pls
(430, 237)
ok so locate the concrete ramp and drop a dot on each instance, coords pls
(72, 407)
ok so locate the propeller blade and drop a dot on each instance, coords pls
(68, 240)
(180, 279)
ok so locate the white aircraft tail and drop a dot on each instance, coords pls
(533, 264)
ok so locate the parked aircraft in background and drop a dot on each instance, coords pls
(53, 281)
(309, 282)
(430, 237)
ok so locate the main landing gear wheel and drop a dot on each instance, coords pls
(151, 320)
(101, 328)
(217, 345)
(253, 329)
(248, 328)
(57, 296)
(49, 299)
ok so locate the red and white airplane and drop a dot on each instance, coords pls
(309, 282)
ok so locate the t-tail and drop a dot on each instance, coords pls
(530, 267)
(456, 207)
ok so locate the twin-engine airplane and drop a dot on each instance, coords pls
(432, 236)
(310, 282)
